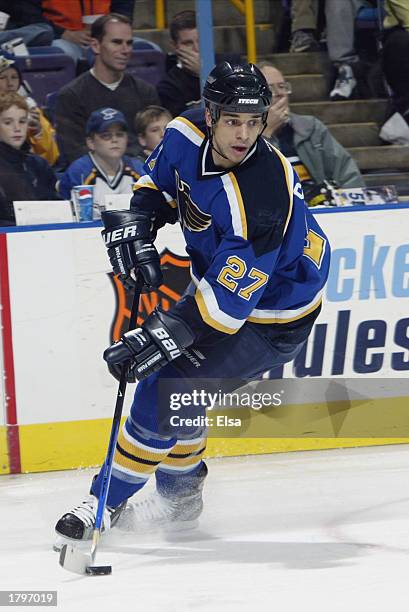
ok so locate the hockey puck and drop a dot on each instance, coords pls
(100, 570)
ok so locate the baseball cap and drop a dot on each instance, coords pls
(6, 61)
(102, 118)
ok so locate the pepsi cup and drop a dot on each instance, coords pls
(83, 199)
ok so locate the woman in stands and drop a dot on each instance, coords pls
(41, 134)
(23, 175)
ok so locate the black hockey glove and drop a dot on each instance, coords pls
(148, 348)
(319, 194)
(127, 236)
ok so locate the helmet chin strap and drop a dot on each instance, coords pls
(211, 142)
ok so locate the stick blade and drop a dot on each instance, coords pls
(99, 570)
(74, 560)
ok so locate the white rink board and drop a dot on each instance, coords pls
(62, 305)
(370, 266)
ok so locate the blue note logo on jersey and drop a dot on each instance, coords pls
(190, 215)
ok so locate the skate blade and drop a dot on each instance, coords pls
(75, 560)
(174, 526)
(60, 541)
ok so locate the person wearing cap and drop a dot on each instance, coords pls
(105, 166)
(41, 134)
(259, 264)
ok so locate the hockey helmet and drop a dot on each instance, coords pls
(238, 88)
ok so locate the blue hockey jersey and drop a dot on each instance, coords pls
(257, 254)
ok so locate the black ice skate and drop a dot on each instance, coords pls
(78, 524)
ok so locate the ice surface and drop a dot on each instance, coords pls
(323, 530)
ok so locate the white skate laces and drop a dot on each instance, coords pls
(87, 511)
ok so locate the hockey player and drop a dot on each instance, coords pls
(259, 263)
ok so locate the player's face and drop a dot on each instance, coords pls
(115, 48)
(9, 80)
(13, 126)
(110, 144)
(154, 133)
(233, 135)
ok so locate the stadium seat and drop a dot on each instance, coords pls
(46, 73)
(147, 65)
(46, 50)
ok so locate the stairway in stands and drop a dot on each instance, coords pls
(355, 124)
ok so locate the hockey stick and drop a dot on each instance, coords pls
(72, 558)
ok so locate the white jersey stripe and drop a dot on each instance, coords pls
(238, 217)
(187, 129)
(284, 316)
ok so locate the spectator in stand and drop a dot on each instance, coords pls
(41, 134)
(27, 22)
(396, 53)
(340, 17)
(320, 161)
(105, 85)
(23, 176)
(304, 20)
(150, 125)
(105, 165)
(179, 90)
(71, 21)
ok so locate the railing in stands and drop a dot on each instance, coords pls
(246, 8)
(160, 14)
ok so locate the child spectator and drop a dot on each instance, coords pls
(105, 165)
(41, 134)
(150, 125)
(23, 176)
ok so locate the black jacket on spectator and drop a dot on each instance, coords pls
(179, 90)
(23, 176)
(78, 99)
(22, 12)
